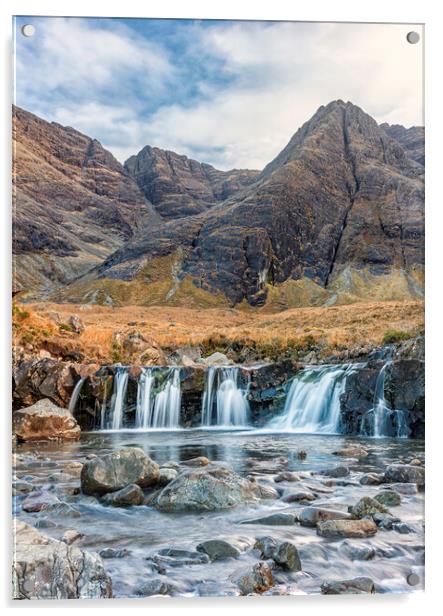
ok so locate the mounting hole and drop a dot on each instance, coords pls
(413, 37)
(28, 30)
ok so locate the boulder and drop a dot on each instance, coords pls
(357, 529)
(44, 568)
(116, 470)
(405, 473)
(385, 520)
(257, 580)
(405, 488)
(389, 498)
(44, 421)
(206, 489)
(131, 494)
(367, 506)
(372, 479)
(76, 324)
(356, 586)
(301, 496)
(218, 549)
(216, 359)
(283, 553)
(310, 516)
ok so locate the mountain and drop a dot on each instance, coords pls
(412, 139)
(338, 215)
(74, 204)
(179, 186)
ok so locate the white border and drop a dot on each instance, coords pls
(406, 11)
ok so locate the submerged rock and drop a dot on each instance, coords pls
(114, 553)
(256, 580)
(177, 557)
(351, 452)
(286, 476)
(357, 551)
(310, 516)
(44, 568)
(206, 489)
(405, 488)
(372, 479)
(405, 473)
(302, 496)
(283, 553)
(40, 501)
(367, 506)
(356, 586)
(385, 520)
(131, 494)
(44, 420)
(70, 536)
(116, 470)
(275, 519)
(218, 549)
(346, 528)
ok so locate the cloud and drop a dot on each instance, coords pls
(228, 93)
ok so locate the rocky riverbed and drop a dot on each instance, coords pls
(201, 513)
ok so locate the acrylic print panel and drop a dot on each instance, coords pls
(218, 308)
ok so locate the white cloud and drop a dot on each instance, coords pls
(267, 79)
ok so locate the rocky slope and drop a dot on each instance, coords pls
(179, 186)
(338, 215)
(412, 139)
(74, 203)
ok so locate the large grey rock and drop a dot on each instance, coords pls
(206, 489)
(284, 553)
(44, 568)
(44, 420)
(116, 470)
(405, 473)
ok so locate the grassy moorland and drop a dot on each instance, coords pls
(246, 334)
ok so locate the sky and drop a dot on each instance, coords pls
(229, 93)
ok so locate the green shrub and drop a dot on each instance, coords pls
(393, 335)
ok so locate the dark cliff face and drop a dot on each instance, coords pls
(412, 139)
(74, 203)
(179, 186)
(342, 194)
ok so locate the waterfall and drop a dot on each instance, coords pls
(227, 405)
(166, 413)
(119, 398)
(381, 420)
(143, 416)
(313, 402)
(158, 409)
(75, 395)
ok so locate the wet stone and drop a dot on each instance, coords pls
(337, 471)
(385, 520)
(359, 585)
(346, 528)
(257, 580)
(218, 549)
(405, 473)
(283, 553)
(287, 476)
(294, 497)
(367, 506)
(275, 519)
(175, 557)
(310, 516)
(372, 479)
(357, 551)
(402, 528)
(127, 496)
(114, 553)
(389, 498)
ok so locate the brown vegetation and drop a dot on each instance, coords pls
(263, 334)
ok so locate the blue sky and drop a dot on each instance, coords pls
(227, 93)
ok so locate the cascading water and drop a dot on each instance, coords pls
(166, 413)
(224, 402)
(119, 398)
(161, 409)
(381, 420)
(143, 416)
(313, 401)
(75, 395)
